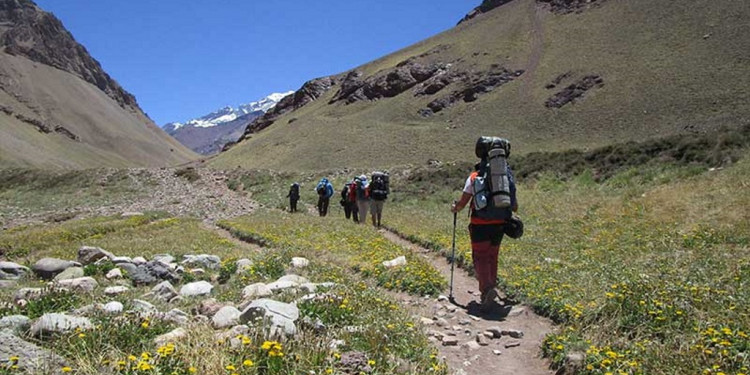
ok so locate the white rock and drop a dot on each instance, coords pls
(115, 290)
(281, 315)
(118, 260)
(243, 264)
(113, 308)
(144, 307)
(400, 261)
(70, 273)
(294, 278)
(198, 288)
(16, 323)
(203, 260)
(58, 323)
(298, 262)
(12, 271)
(139, 260)
(228, 316)
(281, 285)
(173, 337)
(257, 290)
(85, 284)
(114, 273)
(164, 291)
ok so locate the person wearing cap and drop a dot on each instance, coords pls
(293, 197)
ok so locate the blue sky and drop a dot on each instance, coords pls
(185, 58)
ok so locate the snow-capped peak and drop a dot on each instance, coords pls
(228, 113)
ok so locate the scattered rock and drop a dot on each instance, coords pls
(573, 363)
(114, 273)
(281, 285)
(113, 308)
(482, 340)
(47, 268)
(512, 344)
(118, 260)
(18, 324)
(90, 254)
(196, 271)
(294, 278)
(470, 345)
(300, 262)
(355, 363)
(442, 298)
(516, 311)
(226, 317)
(139, 260)
(281, 315)
(209, 307)
(258, 290)
(129, 268)
(31, 358)
(243, 264)
(400, 261)
(70, 273)
(115, 290)
(173, 336)
(176, 316)
(497, 332)
(441, 322)
(514, 333)
(203, 260)
(28, 294)
(464, 322)
(198, 288)
(12, 271)
(496, 352)
(152, 272)
(164, 291)
(426, 321)
(144, 307)
(163, 258)
(85, 284)
(53, 323)
(449, 340)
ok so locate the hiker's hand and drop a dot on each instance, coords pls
(454, 207)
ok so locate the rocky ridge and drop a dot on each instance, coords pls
(28, 31)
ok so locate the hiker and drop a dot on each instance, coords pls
(363, 197)
(351, 198)
(379, 189)
(325, 192)
(491, 190)
(293, 197)
(346, 203)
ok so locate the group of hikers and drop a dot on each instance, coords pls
(489, 191)
(358, 196)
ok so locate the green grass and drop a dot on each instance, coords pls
(647, 52)
(646, 273)
(356, 247)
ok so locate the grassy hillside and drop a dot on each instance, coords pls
(97, 130)
(667, 67)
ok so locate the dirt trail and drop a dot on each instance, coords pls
(523, 359)
(537, 49)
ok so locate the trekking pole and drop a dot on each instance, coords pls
(453, 255)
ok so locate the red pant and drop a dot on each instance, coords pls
(485, 263)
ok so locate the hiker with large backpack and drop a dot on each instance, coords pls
(293, 197)
(491, 190)
(351, 199)
(362, 190)
(379, 189)
(325, 192)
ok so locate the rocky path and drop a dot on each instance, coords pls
(462, 333)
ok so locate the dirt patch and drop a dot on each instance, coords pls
(516, 355)
(573, 91)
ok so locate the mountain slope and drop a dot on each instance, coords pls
(58, 108)
(545, 76)
(210, 133)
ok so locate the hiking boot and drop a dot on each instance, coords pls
(488, 298)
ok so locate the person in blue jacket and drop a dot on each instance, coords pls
(325, 192)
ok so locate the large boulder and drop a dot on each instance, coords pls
(113, 308)
(12, 271)
(85, 284)
(227, 317)
(203, 260)
(152, 272)
(281, 316)
(53, 323)
(90, 254)
(198, 288)
(299, 262)
(31, 358)
(47, 268)
(70, 273)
